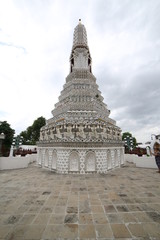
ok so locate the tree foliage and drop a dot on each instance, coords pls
(32, 133)
(9, 133)
(125, 134)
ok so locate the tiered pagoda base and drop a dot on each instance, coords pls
(80, 158)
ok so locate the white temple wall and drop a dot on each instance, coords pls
(80, 160)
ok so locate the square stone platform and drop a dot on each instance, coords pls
(38, 204)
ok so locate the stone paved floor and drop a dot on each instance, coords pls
(38, 204)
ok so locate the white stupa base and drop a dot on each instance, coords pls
(80, 160)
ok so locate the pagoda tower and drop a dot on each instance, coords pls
(80, 137)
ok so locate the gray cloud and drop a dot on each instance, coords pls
(124, 40)
(12, 45)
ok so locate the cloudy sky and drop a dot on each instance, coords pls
(124, 39)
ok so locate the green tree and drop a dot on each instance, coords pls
(25, 137)
(9, 133)
(32, 133)
(128, 134)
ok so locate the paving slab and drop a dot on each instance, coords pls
(36, 203)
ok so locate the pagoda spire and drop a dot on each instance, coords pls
(80, 58)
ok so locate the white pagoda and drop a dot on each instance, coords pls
(80, 137)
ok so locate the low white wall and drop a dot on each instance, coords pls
(16, 162)
(144, 161)
(22, 162)
(129, 157)
(31, 157)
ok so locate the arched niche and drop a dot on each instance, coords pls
(40, 157)
(116, 158)
(109, 160)
(54, 160)
(90, 162)
(46, 158)
(74, 162)
(113, 157)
